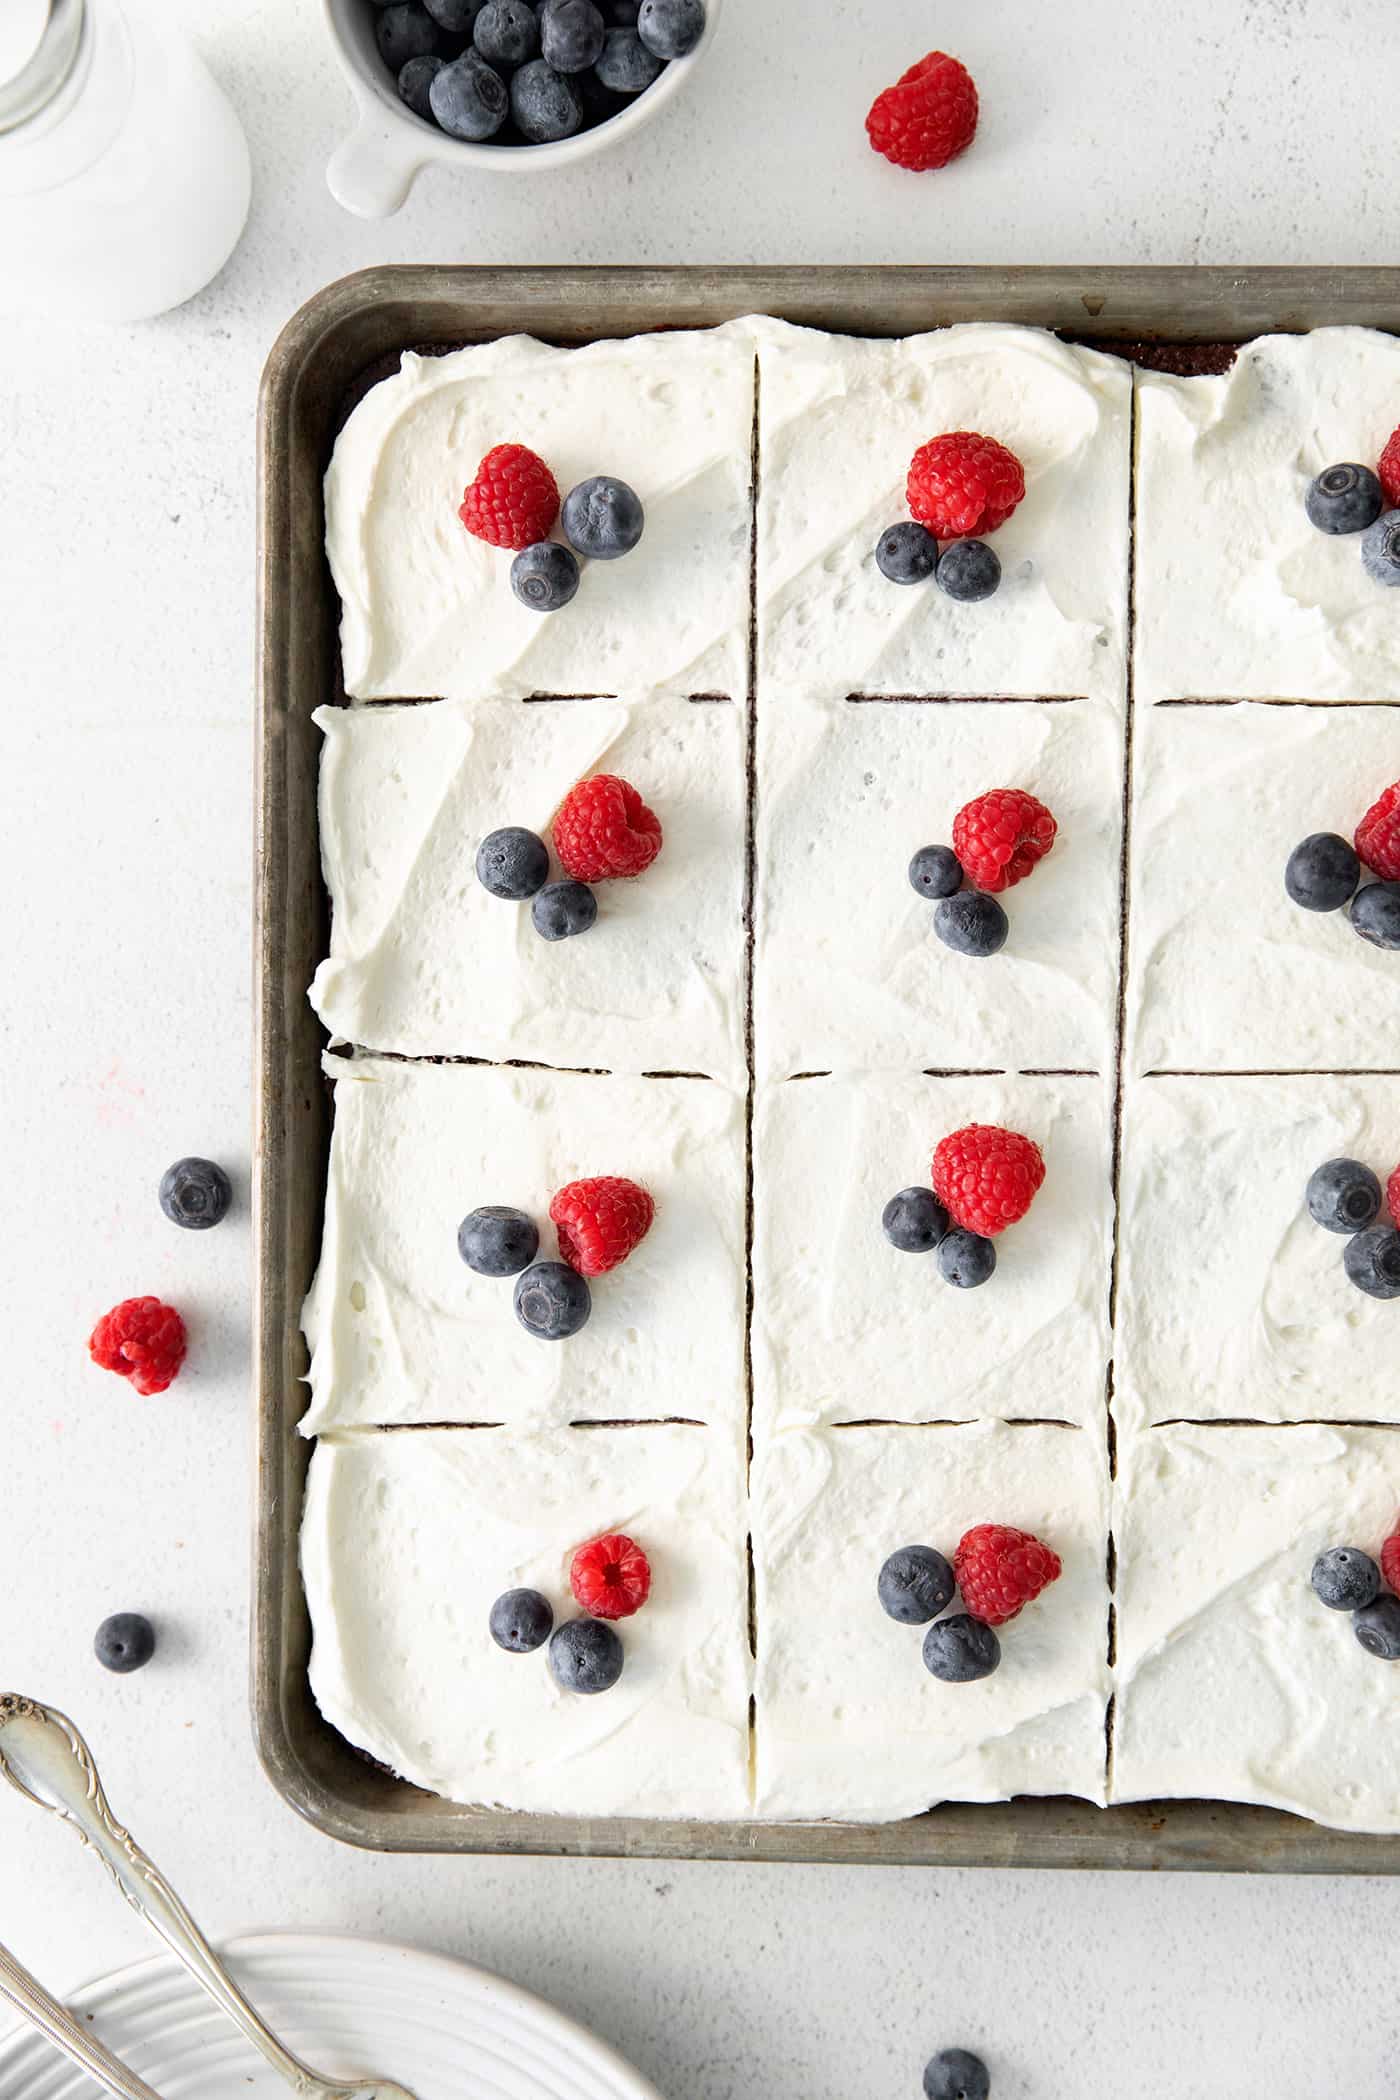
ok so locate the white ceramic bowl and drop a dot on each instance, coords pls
(372, 171)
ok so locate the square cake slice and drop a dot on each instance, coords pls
(426, 962)
(401, 1330)
(839, 421)
(850, 1725)
(408, 1540)
(849, 1329)
(1234, 1681)
(849, 972)
(428, 610)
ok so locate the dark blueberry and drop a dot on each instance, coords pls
(915, 1585)
(512, 863)
(1377, 1627)
(1343, 1195)
(965, 1258)
(625, 65)
(585, 1656)
(415, 79)
(521, 1621)
(602, 518)
(968, 570)
(1346, 498)
(125, 1642)
(563, 909)
(1372, 1261)
(956, 2074)
(906, 553)
(914, 1221)
(543, 103)
(507, 32)
(572, 33)
(405, 31)
(670, 28)
(544, 577)
(936, 871)
(1322, 872)
(972, 923)
(455, 16)
(469, 99)
(1344, 1578)
(552, 1301)
(597, 102)
(1375, 913)
(959, 1650)
(1380, 548)
(195, 1193)
(498, 1241)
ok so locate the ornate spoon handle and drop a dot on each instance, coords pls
(73, 2037)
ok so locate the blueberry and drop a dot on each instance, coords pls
(563, 909)
(956, 2074)
(572, 33)
(455, 16)
(552, 1301)
(914, 1221)
(1322, 872)
(936, 871)
(1377, 1627)
(625, 66)
(507, 32)
(544, 104)
(125, 1642)
(512, 863)
(405, 31)
(1344, 1578)
(670, 28)
(1375, 913)
(968, 570)
(544, 577)
(415, 79)
(195, 1193)
(971, 923)
(959, 1650)
(498, 1241)
(965, 1258)
(1380, 548)
(585, 1656)
(602, 518)
(1345, 498)
(915, 1585)
(468, 99)
(1372, 1261)
(521, 1621)
(1343, 1195)
(906, 553)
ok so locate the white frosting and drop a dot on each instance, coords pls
(1238, 596)
(428, 610)
(408, 1539)
(840, 420)
(1233, 1681)
(402, 1331)
(1227, 972)
(425, 961)
(1232, 1303)
(847, 1328)
(850, 973)
(850, 1725)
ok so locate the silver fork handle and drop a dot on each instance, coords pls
(28, 1996)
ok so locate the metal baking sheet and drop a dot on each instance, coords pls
(314, 370)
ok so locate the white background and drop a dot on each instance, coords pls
(1113, 130)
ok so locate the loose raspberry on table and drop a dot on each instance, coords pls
(514, 500)
(928, 117)
(141, 1340)
(1378, 835)
(603, 829)
(1388, 470)
(1000, 836)
(600, 1221)
(962, 485)
(1390, 1561)
(986, 1177)
(1000, 1569)
(611, 1577)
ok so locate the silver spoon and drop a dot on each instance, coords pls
(43, 1755)
(54, 2021)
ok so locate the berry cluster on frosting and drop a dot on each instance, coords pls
(1346, 1579)
(610, 1579)
(998, 838)
(998, 1570)
(598, 1222)
(603, 832)
(1344, 1196)
(514, 503)
(959, 486)
(984, 1179)
(1349, 498)
(1324, 872)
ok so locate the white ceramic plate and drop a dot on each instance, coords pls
(348, 2006)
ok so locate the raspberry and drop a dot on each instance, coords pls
(142, 1340)
(600, 1221)
(963, 484)
(986, 1178)
(1000, 1569)
(999, 837)
(1392, 1197)
(1388, 470)
(611, 1577)
(1378, 836)
(1390, 1561)
(514, 500)
(603, 828)
(928, 117)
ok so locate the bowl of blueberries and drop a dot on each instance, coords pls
(500, 84)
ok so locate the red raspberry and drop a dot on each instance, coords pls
(142, 1340)
(999, 1570)
(1390, 1562)
(611, 1577)
(1392, 1197)
(603, 828)
(928, 117)
(1378, 836)
(986, 1177)
(1000, 836)
(963, 484)
(1388, 469)
(600, 1221)
(514, 500)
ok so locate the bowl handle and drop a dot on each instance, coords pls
(370, 172)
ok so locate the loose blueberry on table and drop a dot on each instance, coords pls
(195, 1193)
(125, 1642)
(956, 2074)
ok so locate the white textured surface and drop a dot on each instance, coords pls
(127, 535)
